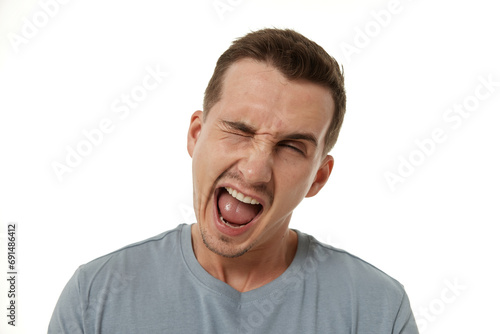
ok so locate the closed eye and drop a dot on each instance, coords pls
(239, 133)
(238, 128)
(292, 146)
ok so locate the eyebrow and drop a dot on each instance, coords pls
(250, 130)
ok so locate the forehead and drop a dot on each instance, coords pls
(259, 94)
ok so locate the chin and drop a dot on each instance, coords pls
(222, 245)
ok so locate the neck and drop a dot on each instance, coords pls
(255, 268)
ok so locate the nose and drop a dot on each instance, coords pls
(256, 166)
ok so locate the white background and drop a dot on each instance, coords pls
(435, 229)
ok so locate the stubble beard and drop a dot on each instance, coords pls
(222, 245)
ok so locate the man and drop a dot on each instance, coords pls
(272, 111)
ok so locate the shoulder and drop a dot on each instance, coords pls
(352, 291)
(134, 257)
(340, 269)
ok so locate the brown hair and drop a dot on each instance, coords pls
(296, 57)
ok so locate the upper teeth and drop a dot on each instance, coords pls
(240, 197)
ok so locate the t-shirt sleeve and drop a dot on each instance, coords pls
(405, 321)
(67, 317)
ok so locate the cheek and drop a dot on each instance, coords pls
(210, 159)
(292, 182)
(231, 146)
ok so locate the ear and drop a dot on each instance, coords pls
(322, 176)
(194, 130)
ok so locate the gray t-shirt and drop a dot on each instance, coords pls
(158, 286)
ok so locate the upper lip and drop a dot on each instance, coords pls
(257, 197)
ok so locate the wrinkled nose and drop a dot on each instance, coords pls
(256, 167)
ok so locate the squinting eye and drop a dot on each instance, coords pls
(240, 134)
(291, 147)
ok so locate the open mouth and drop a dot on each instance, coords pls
(236, 210)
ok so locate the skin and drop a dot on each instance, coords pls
(265, 138)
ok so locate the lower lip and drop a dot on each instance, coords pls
(228, 230)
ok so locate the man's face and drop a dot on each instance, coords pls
(264, 140)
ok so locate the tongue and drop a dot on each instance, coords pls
(234, 211)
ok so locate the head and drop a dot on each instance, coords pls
(272, 109)
(296, 57)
